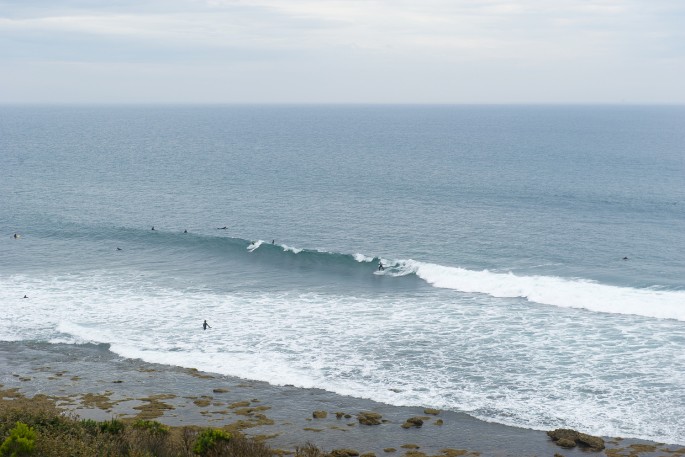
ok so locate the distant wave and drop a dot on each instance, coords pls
(324, 259)
(548, 290)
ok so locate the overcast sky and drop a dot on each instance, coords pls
(348, 51)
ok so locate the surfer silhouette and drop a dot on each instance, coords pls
(222, 228)
(153, 227)
(118, 249)
(380, 266)
(205, 325)
(25, 296)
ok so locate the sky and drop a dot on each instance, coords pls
(344, 51)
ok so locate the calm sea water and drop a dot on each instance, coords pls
(503, 230)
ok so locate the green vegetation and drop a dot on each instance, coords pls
(36, 427)
(113, 427)
(211, 442)
(20, 442)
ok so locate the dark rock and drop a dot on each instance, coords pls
(565, 442)
(369, 418)
(593, 442)
(343, 453)
(415, 454)
(563, 437)
(562, 433)
(413, 422)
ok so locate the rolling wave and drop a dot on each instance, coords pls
(546, 290)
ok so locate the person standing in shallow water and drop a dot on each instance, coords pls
(205, 325)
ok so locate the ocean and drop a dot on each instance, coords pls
(534, 256)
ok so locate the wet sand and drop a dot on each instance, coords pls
(94, 383)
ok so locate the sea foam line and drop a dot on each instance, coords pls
(555, 291)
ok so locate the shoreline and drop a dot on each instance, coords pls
(94, 383)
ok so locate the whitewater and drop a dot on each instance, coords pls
(484, 346)
(534, 256)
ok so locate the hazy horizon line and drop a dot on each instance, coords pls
(313, 104)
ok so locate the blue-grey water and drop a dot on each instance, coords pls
(503, 232)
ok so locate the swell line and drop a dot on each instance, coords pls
(546, 290)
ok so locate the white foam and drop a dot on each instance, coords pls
(294, 250)
(567, 293)
(498, 359)
(254, 245)
(80, 334)
(361, 258)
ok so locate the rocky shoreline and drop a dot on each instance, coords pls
(93, 383)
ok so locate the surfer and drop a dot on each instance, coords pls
(153, 227)
(273, 241)
(222, 228)
(205, 325)
(118, 249)
(185, 231)
(25, 296)
(15, 236)
(625, 258)
(380, 266)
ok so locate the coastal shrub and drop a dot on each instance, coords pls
(211, 442)
(187, 437)
(149, 437)
(76, 441)
(20, 443)
(90, 426)
(113, 426)
(33, 412)
(240, 446)
(47, 431)
(152, 427)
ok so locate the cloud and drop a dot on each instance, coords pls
(466, 39)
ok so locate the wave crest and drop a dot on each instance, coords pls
(556, 291)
